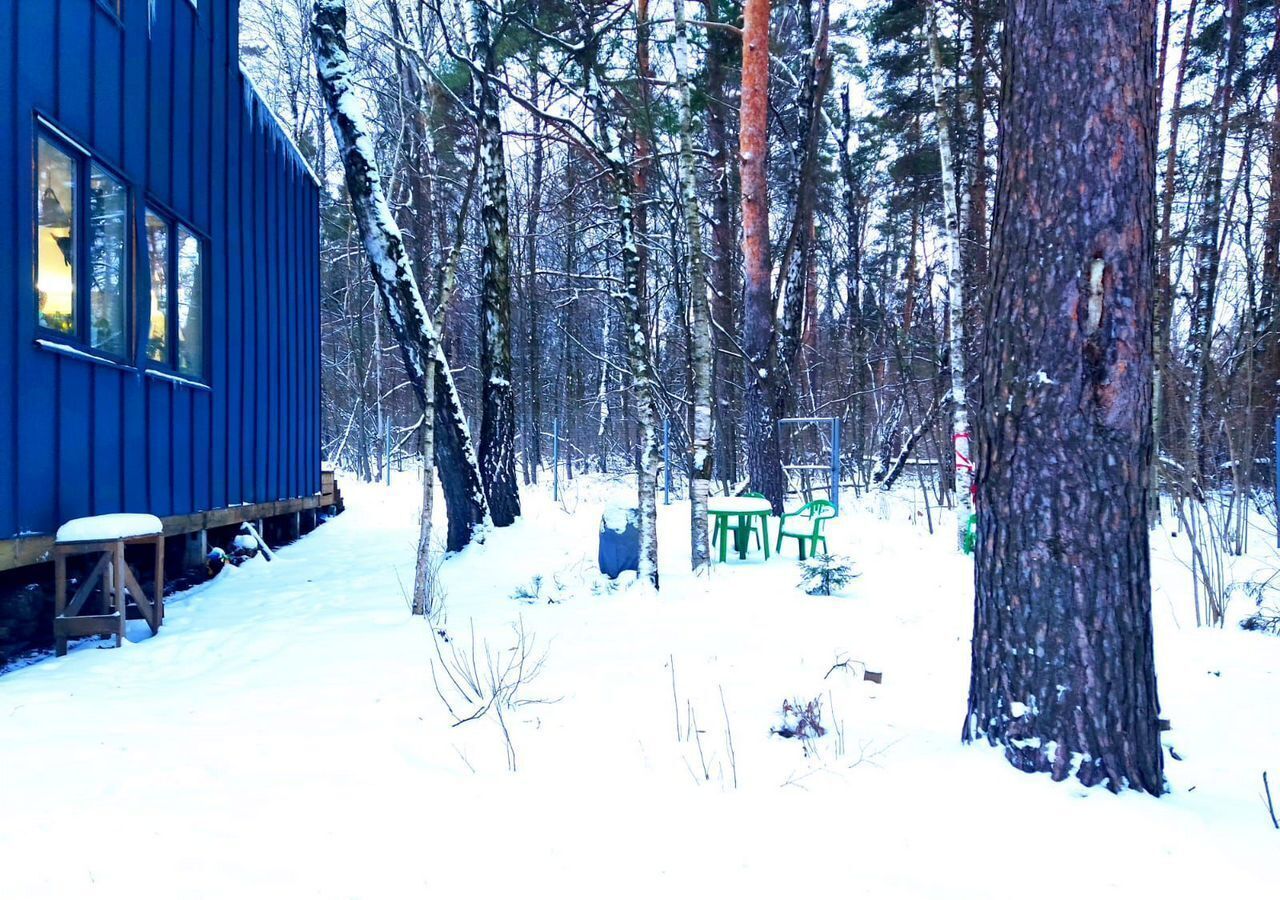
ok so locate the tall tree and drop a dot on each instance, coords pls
(402, 302)
(701, 346)
(498, 414)
(1062, 671)
(1208, 250)
(955, 287)
(759, 336)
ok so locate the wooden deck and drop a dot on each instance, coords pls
(38, 548)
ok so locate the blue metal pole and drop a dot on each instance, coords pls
(835, 464)
(555, 460)
(666, 462)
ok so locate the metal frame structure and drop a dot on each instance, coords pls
(833, 467)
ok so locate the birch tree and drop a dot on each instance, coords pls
(498, 417)
(701, 348)
(402, 302)
(955, 286)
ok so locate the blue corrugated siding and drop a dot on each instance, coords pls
(163, 103)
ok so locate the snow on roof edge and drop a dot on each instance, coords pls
(280, 126)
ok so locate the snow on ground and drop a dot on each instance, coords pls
(282, 736)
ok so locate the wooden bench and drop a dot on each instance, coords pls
(106, 536)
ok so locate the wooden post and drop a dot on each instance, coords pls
(117, 583)
(159, 595)
(59, 601)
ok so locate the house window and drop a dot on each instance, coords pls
(190, 304)
(55, 239)
(158, 266)
(175, 336)
(82, 234)
(108, 227)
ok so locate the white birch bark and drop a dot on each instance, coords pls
(955, 289)
(700, 352)
(383, 243)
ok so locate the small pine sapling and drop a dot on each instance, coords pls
(823, 575)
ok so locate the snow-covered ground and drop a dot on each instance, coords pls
(283, 736)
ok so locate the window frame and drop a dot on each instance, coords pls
(174, 224)
(80, 336)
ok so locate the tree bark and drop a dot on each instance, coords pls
(955, 290)
(721, 52)
(1208, 258)
(1164, 261)
(759, 336)
(498, 410)
(393, 274)
(700, 341)
(1063, 676)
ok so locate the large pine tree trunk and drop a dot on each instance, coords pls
(955, 289)
(498, 408)
(700, 341)
(393, 274)
(1062, 674)
(764, 459)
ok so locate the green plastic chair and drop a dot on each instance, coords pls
(806, 525)
(971, 534)
(754, 527)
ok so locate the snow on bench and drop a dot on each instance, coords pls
(114, 527)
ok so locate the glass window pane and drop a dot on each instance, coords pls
(158, 261)
(190, 305)
(55, 248)
(108, 217)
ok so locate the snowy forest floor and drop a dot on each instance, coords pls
(282, 736)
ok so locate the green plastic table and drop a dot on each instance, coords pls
(743, 510)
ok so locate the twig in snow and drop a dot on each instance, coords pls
(728, 733)
(1266, 785)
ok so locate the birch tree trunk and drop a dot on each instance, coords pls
(759, 335)
(955, 288)
(1063, 676)
(630, 298)
(393, 274)
(498, 410)
(700, 341)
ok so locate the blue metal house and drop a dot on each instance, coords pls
(159, 276)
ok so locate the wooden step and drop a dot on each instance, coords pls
(87, 626)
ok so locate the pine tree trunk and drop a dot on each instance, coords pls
(721, 50)
(700, 340)
(393, 274)
(498, 409)
(1063, 676)
(955, 290)
(759, 337)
